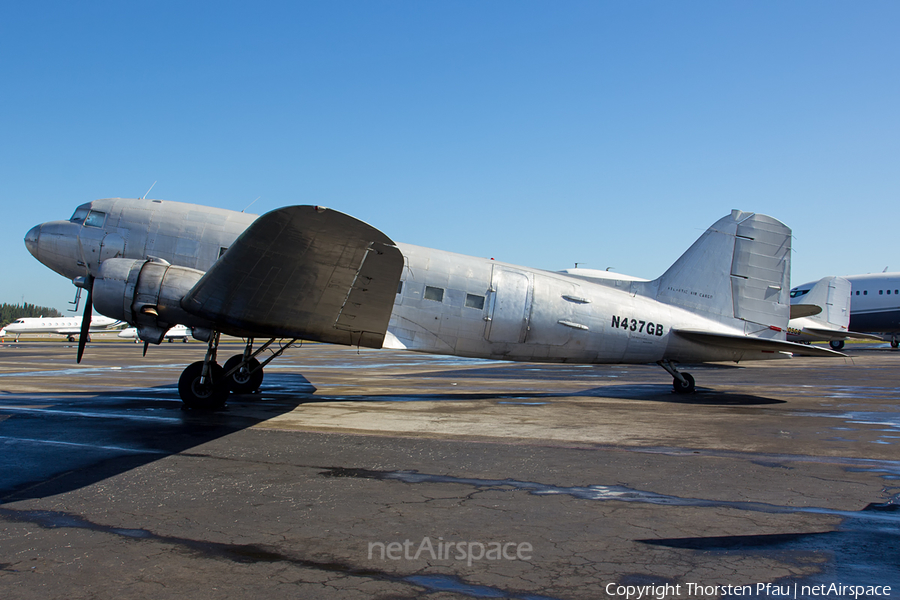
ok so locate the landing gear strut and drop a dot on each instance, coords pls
(682, 383)
(205, 384)
(202, 384)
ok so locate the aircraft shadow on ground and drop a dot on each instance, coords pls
(55, 445)
(639, 392)
(552, 371)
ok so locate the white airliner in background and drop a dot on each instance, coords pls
(874, 304)
(179, 332)
(67, 326)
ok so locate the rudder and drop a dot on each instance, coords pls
(738, 269)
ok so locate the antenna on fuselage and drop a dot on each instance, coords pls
(144, 197)
(252, 203)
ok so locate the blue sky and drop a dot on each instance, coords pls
(538, 133)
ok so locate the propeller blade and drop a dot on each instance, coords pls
(146, 345)
(86, 319)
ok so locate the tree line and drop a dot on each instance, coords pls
(11, 312)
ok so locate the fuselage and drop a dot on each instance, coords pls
(182, 234)
(446, 303)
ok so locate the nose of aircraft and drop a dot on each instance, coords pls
(31, 240)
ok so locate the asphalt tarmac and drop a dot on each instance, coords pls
(379, 474)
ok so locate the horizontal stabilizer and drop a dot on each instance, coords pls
(303, 272)
(798, 311)
(835, 334)
(744, 342)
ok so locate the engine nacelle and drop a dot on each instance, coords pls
(147, 294)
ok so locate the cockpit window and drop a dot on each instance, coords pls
(795, 293)
(80, 213)
(95, 219)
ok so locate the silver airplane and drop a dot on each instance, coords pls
(874, 306)
(312, 273)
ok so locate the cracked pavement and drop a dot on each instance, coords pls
(780, 471)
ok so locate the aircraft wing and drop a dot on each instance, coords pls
(303, 272)
(804, 310)
(743, 342)
(837, 334)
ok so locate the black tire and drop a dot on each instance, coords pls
(895, 343)
(71, 338)
(208, 396)
(683, 388)
(836, 344)
(242, 381)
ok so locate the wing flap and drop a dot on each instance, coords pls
(303, 271)
(743, 342)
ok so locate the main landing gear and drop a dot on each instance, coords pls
(205, 384)
(682, 383)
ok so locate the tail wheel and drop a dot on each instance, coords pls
(246, 379)
(683, 387)
(203, 395)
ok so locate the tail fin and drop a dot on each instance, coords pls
(738, 269)
(832, 295)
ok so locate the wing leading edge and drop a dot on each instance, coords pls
(306, 272)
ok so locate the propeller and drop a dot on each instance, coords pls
(86, 319)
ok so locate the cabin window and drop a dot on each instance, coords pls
(434, 293)
(880, 292)
(475, 301)
(80, 213)
(865, 292)
(857, 292)
(95, 219)
(399, 287)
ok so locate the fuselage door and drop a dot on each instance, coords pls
(510, 300)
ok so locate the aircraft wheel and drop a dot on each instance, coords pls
(895, 343)
(210, 395)
(683, 388)
(71, 338)
(836, 344)
(242, 381)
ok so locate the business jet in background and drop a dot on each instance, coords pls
(67, 326)
(179, 332)
(874, 305)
